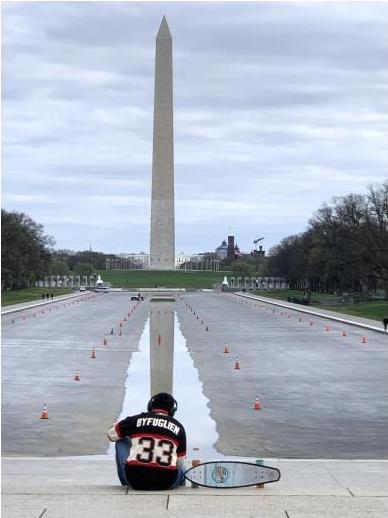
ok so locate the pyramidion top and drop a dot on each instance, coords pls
(164, 31)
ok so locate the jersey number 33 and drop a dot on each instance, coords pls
(153, 451)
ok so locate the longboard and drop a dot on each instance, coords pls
(228, 474)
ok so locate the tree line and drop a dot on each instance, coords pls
(345, 248)
(27, 254)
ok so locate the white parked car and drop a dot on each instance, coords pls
(102, 289)
(82, 288)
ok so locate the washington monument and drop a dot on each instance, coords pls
(162, 253)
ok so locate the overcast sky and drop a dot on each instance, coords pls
(278, 108)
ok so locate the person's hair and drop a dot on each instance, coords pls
(164, 401)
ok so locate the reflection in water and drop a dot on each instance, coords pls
(158, 366)
(162, 347)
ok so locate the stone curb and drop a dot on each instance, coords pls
(311, 312)
(41, 303)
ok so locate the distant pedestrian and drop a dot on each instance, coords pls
(43, 296)
(47, 296)
(52, 296)
(385, 323)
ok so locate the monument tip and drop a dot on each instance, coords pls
(164, 31)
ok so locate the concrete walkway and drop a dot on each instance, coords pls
(86, 487)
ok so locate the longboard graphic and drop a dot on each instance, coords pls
(228, 474)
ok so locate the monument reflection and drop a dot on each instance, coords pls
(161, 347)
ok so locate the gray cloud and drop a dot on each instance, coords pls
(278, 107)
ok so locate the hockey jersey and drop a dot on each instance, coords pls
(157, 441)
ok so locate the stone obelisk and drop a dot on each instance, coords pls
(162, 256)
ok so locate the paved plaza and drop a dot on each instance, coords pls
(321, 385)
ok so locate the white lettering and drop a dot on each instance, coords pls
(162, 423)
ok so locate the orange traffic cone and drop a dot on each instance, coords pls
(343, 333)
(257, 405)
(364, 340)
(237, 364)
(93, 355)
(226, 349)
(44, 414)
(77, 376)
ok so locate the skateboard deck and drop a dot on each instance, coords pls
(228, 474)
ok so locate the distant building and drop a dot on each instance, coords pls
(134, 261)
(141, 261)
(181, 258)
(222, 250)
(258, 253)
(230, 249)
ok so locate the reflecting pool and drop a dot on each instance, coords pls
(164, 364)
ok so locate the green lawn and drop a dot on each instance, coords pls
(16, 296)
(127, 279)
(285, 294)
(279, 294)
(162, 279)
(375, 310)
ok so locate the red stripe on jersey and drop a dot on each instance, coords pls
(117, 429)
(149, 465)
(156, 436)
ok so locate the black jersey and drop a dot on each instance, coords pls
(157, 442)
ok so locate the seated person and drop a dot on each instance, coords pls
(151, 446)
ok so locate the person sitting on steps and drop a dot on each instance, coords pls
(151, 446)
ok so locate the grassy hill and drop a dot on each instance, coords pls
(30, 294)
(162, 279)
(375, 310)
